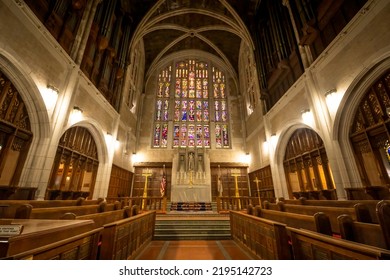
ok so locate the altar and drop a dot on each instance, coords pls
(191, 193)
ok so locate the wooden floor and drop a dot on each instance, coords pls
(194, 250)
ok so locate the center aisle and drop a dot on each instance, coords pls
(194, 250)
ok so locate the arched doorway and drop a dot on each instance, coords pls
(306, 166)
(15, 133)
(370, 135)
(75, 166)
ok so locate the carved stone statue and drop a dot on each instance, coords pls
(200, 163)
(181, 164)
(191, 162)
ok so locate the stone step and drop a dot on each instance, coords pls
(192, 227)
(190, 206)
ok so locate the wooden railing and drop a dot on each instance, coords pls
(157, 203)
(125, 238)
(225, 203)
(272, 240)
(267, 239)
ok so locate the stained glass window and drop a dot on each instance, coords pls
(191, 106)
(220, 110)
(160, 138)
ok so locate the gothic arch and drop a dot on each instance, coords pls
(347, 109)
(97, 133)
(279, 172)
(194, 54)
(79, 163)
(18, 73)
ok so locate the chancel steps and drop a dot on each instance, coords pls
(192, 227)
(190, 206)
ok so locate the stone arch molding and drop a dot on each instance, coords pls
(97, 133)
(280, 150)
(15, 69)
(19, 73)
(284, 137)
(193, 54)
(347, 108)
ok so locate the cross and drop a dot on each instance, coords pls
(145, 173)
(235, 173)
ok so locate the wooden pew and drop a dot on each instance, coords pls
(370, 234)
(369, 193)
(59, 212)
(15, 192)
(317, 195)
(319, 222)
(53, 203)
(16, 211)
(331, 212)
(103, 218)
(370, 204)
(125, 238)
(309, 245)
(267, 239)
(51, 239)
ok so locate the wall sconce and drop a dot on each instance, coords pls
(332, 99)
(307, 117)
(53, 89)
(77, 110)
(245, 158)
(50, 96)
(273, 139)
(76, 115)
(329, 93)
(136, 158)
(248, 158)
(109, 138)
(117, 144)
(265, 146)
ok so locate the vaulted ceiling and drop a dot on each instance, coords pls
(214, 26)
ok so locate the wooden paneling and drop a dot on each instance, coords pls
(120, 182)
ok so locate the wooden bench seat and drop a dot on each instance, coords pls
(331, 212)
(103, 218)
(51, 239)
(269, 240)
(53, 203)
(309, 245)
(371, 234)
(318, 222)
(59, 212)
(369, 204)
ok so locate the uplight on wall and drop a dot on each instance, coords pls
(307, 117)
(265, 147)
(117, 144)
(245, 158)
(136, 157)
(76, 115)
(50, 96)
(330, 93)
(109, 138)
(274, 139)
(333, 99)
